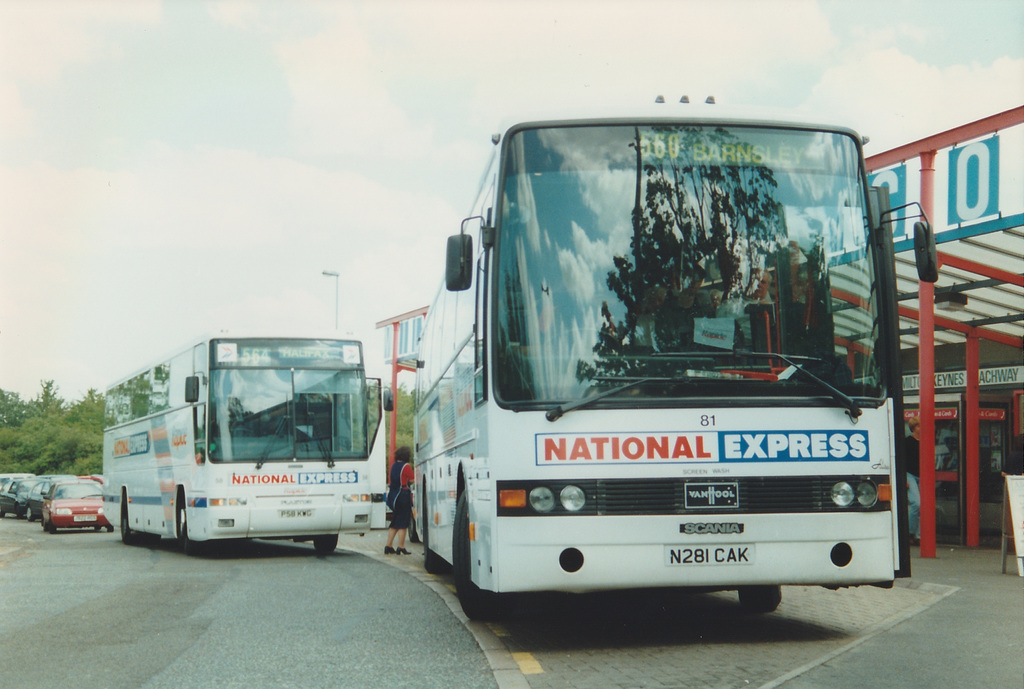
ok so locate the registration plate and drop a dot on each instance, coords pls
(704, 555)
(296, 513)
(85, 517)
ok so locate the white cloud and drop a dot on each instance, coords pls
(40, 40)
(188, 242)
(160, 229)
(895, 99)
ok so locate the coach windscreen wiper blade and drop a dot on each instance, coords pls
(278, 433)
(852, 408)
(556, 412)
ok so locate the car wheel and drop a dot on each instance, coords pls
(28, 514)
(51, 528)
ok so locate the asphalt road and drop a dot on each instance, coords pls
(80, 609)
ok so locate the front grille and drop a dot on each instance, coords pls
(754, 495)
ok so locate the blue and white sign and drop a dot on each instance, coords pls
(409, 332)
(896, 180)
(973, 181)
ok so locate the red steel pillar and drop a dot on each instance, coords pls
(926, 369)
(972, 444)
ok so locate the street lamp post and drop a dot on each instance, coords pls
(335, 275)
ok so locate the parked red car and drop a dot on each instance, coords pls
(74, 505)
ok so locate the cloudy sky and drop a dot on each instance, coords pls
(172, 168)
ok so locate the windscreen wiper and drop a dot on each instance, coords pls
(325, 451)
(265, 454)
(556, 412)
(852, 408)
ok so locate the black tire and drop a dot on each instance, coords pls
(476, 603)
(414, 533)
(326, 544)
(432, 562)
(187, 545)
(28, 513)
(128, 536)
(50, 528)
(760, 599)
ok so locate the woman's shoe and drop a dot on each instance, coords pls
(403, 551)
(388, 550)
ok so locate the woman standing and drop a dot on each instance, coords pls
(400, 501)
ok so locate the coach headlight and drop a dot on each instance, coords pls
(572, 498)
(542, 499)
(842, 494)
(867, 494)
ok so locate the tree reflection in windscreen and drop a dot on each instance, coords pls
(623, 248)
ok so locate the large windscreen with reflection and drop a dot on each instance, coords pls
(284, 400)
(709, 260)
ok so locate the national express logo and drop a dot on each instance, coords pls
(704, 447)
(135, 444)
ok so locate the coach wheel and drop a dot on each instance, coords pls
(414, 534)
(432, 562)
(187, 545)
(128, 537)
(325, 545)
(760, 599)
(476, 603)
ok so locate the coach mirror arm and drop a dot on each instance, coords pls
(925, 255)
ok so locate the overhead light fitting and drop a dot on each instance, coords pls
(951, 301)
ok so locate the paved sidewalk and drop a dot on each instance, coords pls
(957, 622)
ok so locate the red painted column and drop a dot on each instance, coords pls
(926, 369)
(972, 443)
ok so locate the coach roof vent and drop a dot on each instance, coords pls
(710, 100)
(684, 99)
(659, 99)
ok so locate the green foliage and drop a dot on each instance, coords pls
(46, 435)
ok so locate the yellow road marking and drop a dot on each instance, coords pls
(528, 665)
(498, 629)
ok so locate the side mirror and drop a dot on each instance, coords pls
(192, 389)
(388, 400)
(924, 252)
(458, 269)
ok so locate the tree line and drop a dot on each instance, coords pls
(49, 435)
